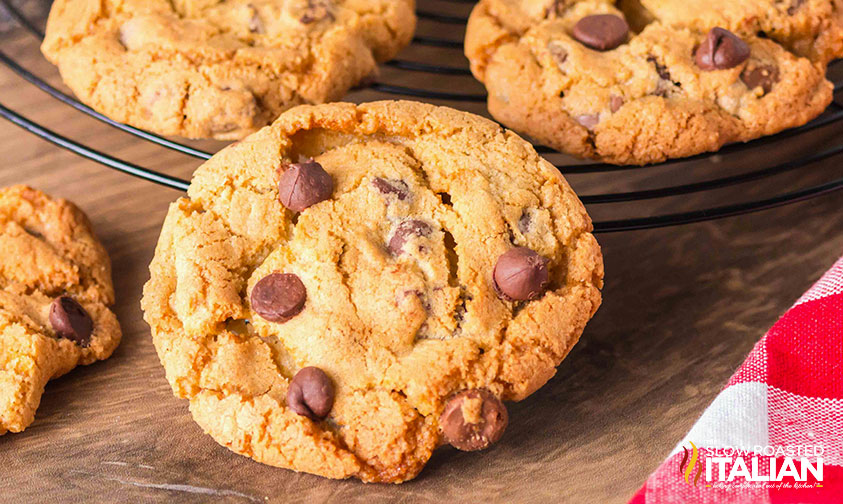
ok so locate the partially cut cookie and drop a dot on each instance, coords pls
(355, 285)
(219, 69)
(638, 83)
(54, 314)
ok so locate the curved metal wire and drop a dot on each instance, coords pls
(441, 18)
(427, 93)
(834, 114)
(599, 227)
(415, 66)
(436, 42)
(710, 184)
(92, 154)
(22, 20)
(720, 212)
(69, 100)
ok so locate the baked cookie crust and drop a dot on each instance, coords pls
(48, 251)
(402, 313)
(219, 69)
(647, 100)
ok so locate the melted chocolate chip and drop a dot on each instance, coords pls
(588, 121)
(525, 222)
(317, 10)
(662, 89)
(311, 393)
(278, 297)
(721, 49)
(665, 84)
(601, 31)
(399, 188)
(764, 76)
(794, 6)
(559, 53)
(615, 103)
(255, 22)
(33, 233)
(664, 74)
(520, 274)
(303, 185)
(556, 8)
(405, 231)
(71, 321)
(473, 419)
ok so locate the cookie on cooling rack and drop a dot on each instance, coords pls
(346, 290)
(54, 312)
(219, 69)
(638, 83)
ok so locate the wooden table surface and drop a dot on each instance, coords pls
(682, 307)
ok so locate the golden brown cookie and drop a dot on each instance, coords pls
(54, 314)
(636, 84)
(219, 69)
(355, 285)
(808, 28)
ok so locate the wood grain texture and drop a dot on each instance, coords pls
(682, 308)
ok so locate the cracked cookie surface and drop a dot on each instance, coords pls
(330, 339)
(647, 99)
(219, 69)
(54, 312)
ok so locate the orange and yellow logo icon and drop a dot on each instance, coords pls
(686, 468)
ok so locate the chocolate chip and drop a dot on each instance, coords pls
(473, 419)
(255, 24)
(665, 84)
(404, 231)
(662, 89)
(525, 222)
(794, 6)
(303, 185)
(601, 31)
(311, 393)
(33, 233)
(397, 187)
(278, 297)
(588, 121)
(559, 53)
(764, 76)
(556, 7)
(317, 10)
(71, 321)
(721, 49)
(664, 74)
(615, 103)
(520, 274)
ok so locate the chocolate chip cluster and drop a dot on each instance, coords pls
(472, 419)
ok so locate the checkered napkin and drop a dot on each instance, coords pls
(786, 396)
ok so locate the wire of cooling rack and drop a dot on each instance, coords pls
(832, 115)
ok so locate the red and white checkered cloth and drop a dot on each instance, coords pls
(788, 392)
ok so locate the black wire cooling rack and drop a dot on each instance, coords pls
(444, 23)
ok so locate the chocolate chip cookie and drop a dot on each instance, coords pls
(54, 314)
(219, 69)
(356, 285)
(640, 82)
